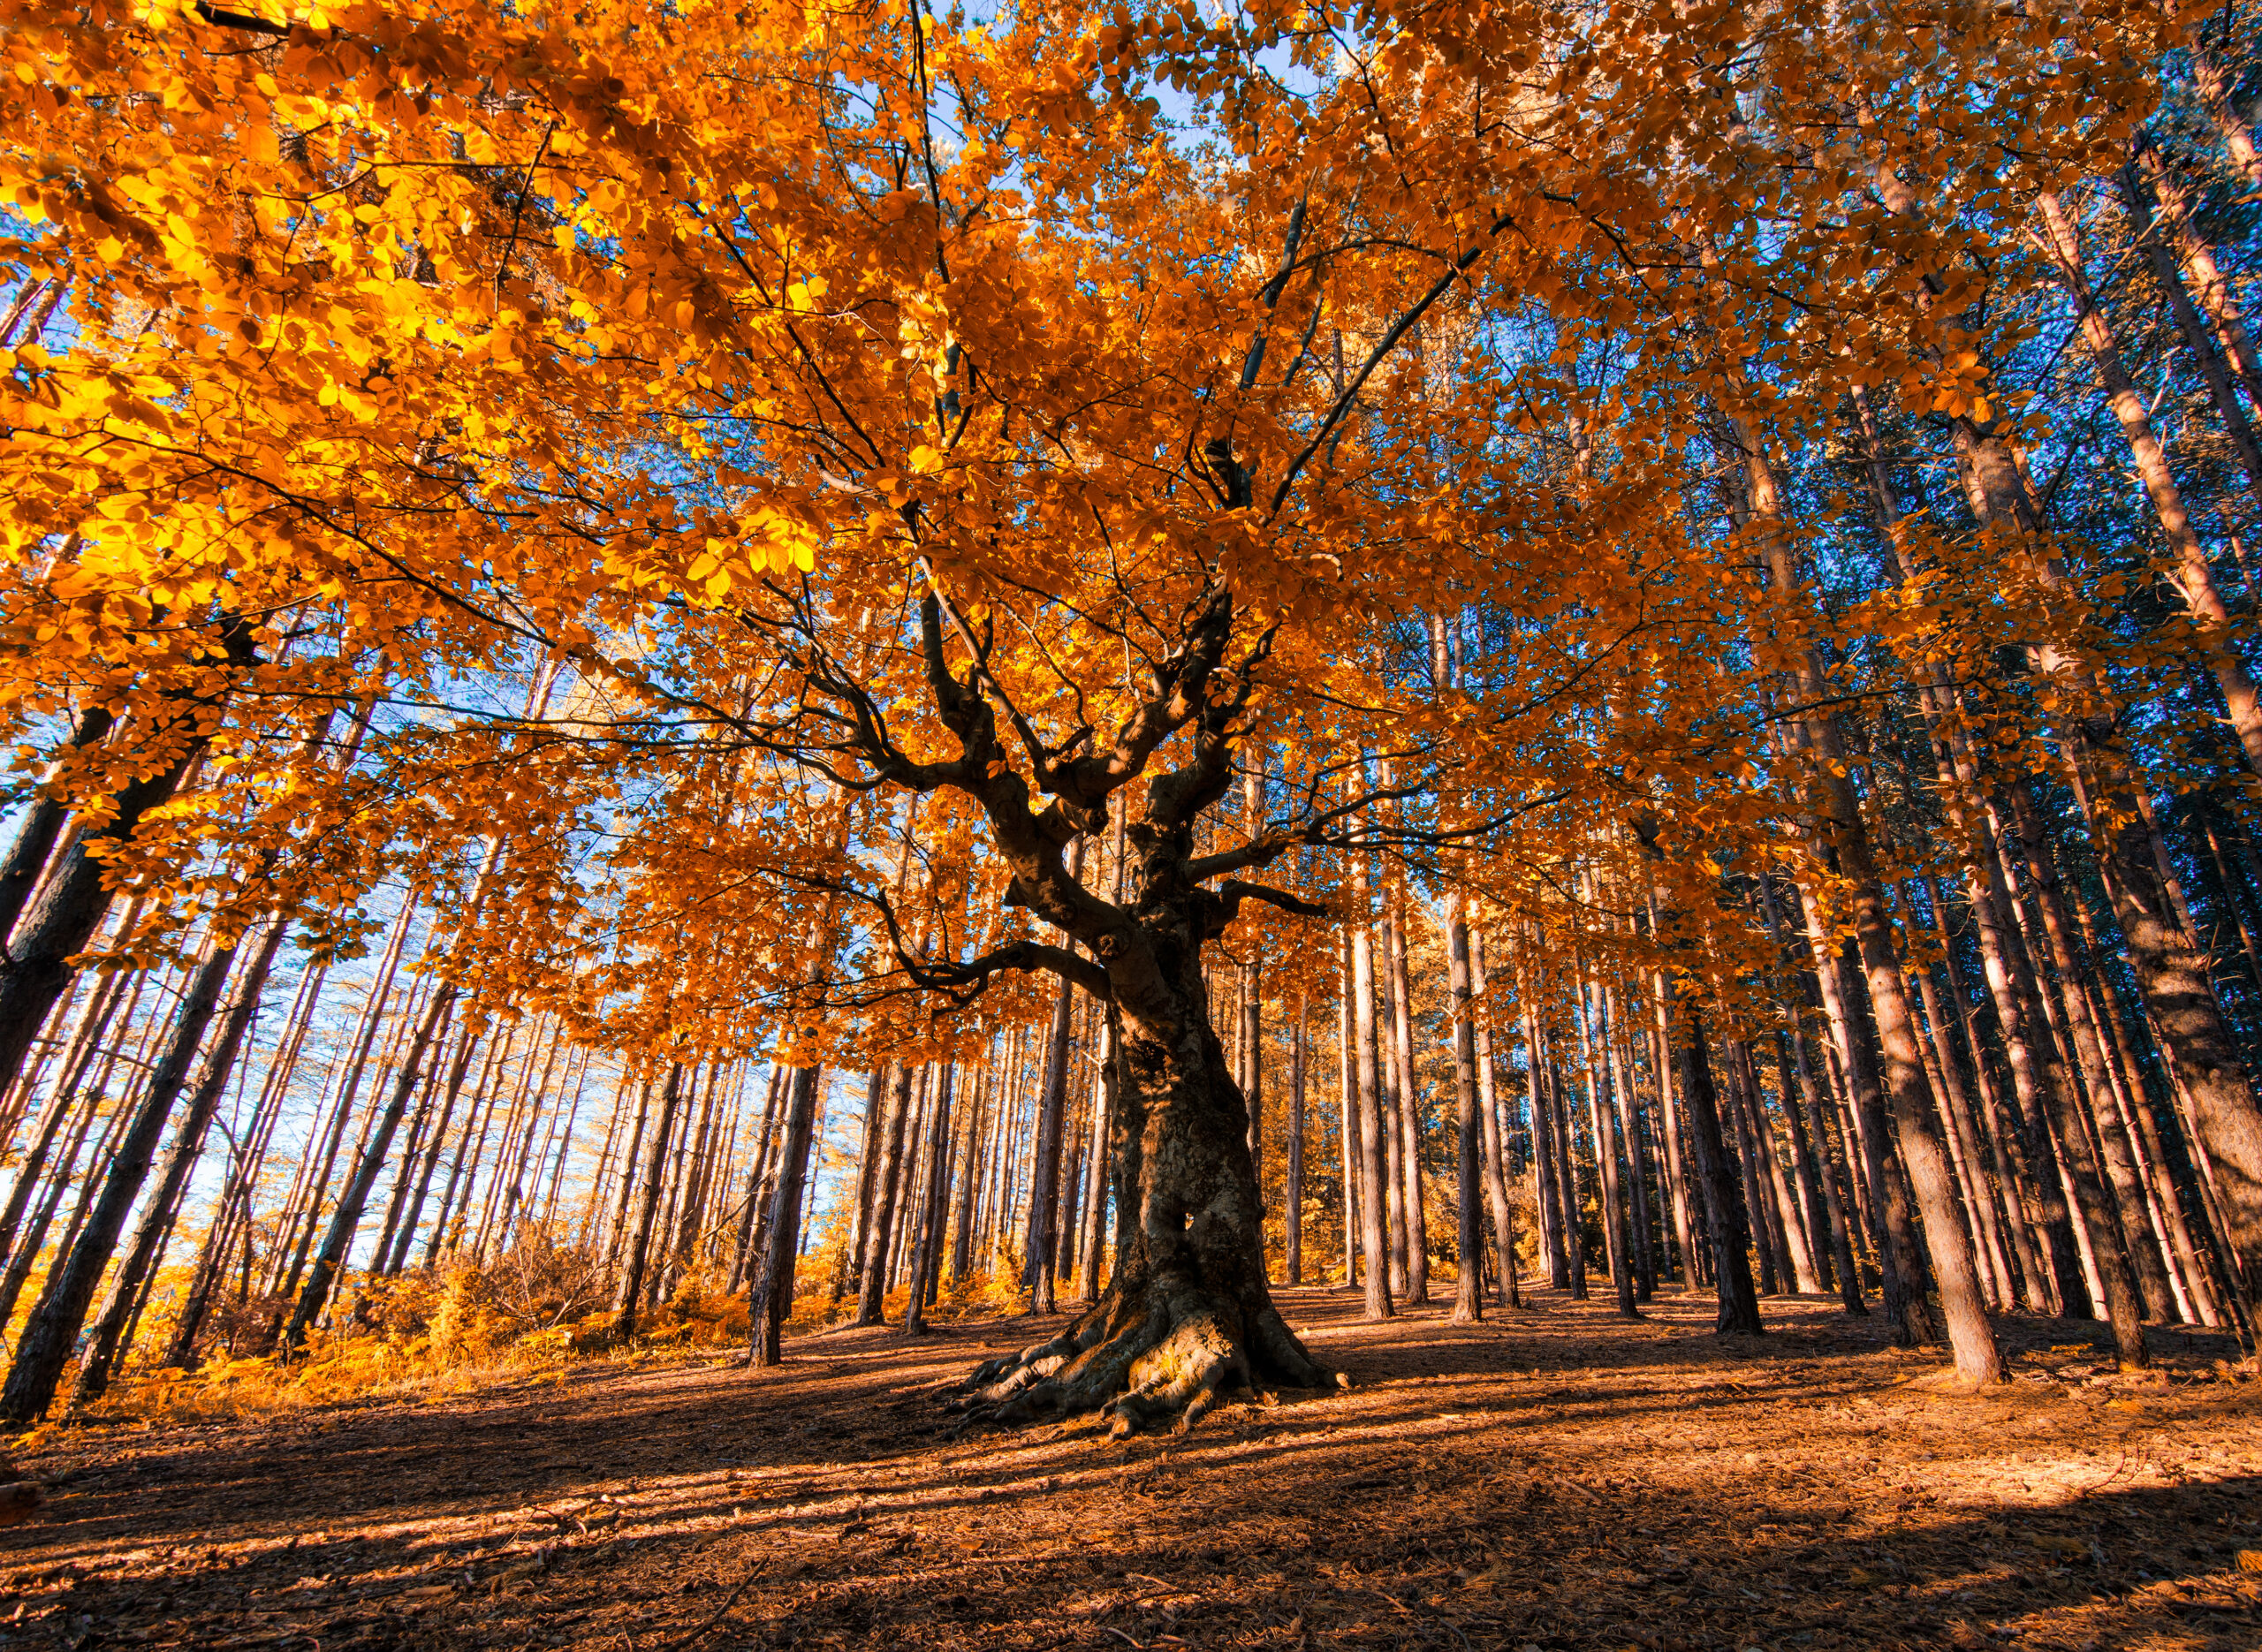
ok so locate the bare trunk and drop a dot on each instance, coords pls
(1292, 1201)
(1565, 1132)
(772, 1297)
(1661, 1056)
(1739, 1303)
(414, 1212)
(1469, 1289)
(927, 1242)
(1798, 1239)
(1349, 1157)
(1371, 1157)
(2208, 1063)
(758, 1176)
(106, 1343)
(52, 1333)
(101, 1009)
(2179, 211)
(1964, 1142)
(1088, 1278)
(2107, 1237)
(35, 968)
(2194, 574)
(1546, 1189)
(1637, 1158)
(305, 1205)
(2230, 125)
(2162, 1190)
(1890, 1232)
(1410, 1107)
(1602, 1118)
(43, 825)
(1045, 1168)
(1819, 1165)
(1496, 1160)
(868, 1160)
(1187, 1317)
(887, 1179)
(639, 1236)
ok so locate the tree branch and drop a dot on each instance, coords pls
(1233, 892)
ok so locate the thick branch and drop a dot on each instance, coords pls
(1029, 956)
(1233, 892)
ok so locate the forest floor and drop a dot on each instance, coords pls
(1555, 1478)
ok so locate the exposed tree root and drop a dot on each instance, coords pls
(1143, 1358)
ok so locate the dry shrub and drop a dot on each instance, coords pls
(988, 1294)
(467, 1323)
(438, 1330)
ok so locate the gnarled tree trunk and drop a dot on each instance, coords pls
(1187, 1317)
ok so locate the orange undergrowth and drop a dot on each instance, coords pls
(532, 1314)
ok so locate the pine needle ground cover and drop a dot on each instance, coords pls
(1558, 1478)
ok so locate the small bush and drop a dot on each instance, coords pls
(470, 1323)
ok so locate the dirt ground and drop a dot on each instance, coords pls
(1553, 1479)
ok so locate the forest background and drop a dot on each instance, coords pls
(644, 651)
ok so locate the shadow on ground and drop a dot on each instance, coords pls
(1557, 1478)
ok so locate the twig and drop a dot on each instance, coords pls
(722, 1612)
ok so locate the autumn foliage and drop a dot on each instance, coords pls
(1494, 631)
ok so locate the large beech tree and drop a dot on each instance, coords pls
(900, 453)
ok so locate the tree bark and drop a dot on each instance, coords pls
(758, 1178)
(1546, 1190)
(868, 1163)
(1349, 1154)
(1798, 1239)
(231, 1211)
(2124, 1307)
(2181, 999)
(640, 1238)
(770, 1299)
(2161, 1187)
(1407, 1158)
(2180, 214)
(44, 818)
(1637, 1156)
(2195, 573)
(303, 1207)
(1739, 1303)
(49, 1338)
(1469, 1289)
(405, 1239)
(1759, 1200)
(1189, 1315)
(887, 1179)
(1818, 1172)
(1894, 1240)
(105, 1344)
(926, 1247)
(1602, 1119)
(1043, 1213)
(1564, 1131)
(2230, 125)
(1373, 1163)
(1843, 838)
(102, 1009)
(1496, 1159)
(330, 1261)
(1292, 1202)
(35, 966)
